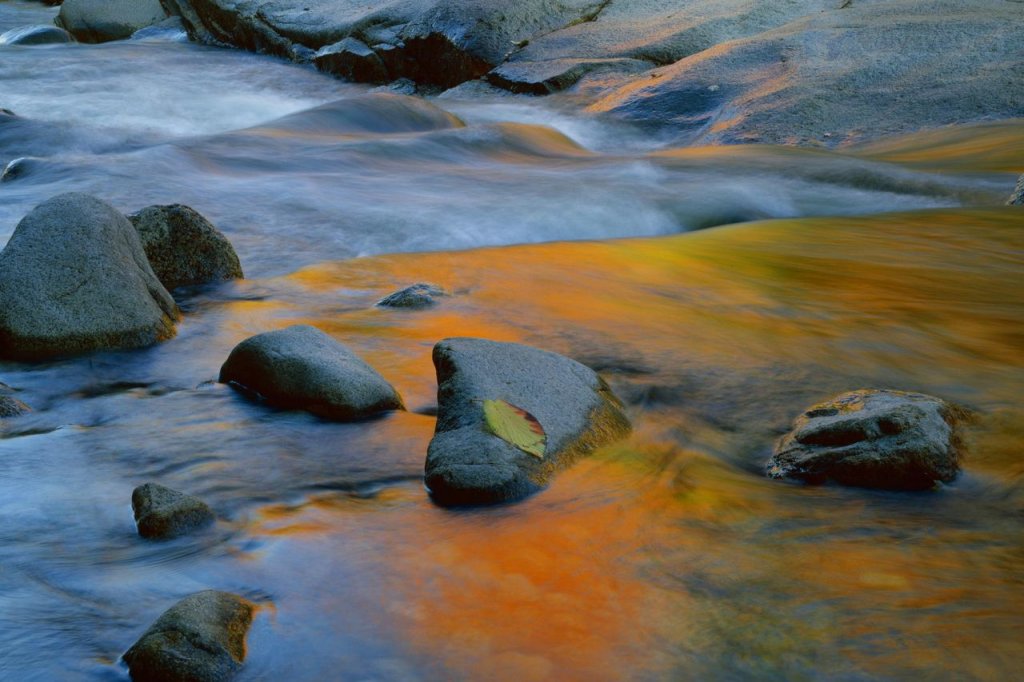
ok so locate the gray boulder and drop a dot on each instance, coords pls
(303, 368)
(73, 279)
(184, 248)
(199, 639)
(162, 513)
(468, 463)
(12, 407)
(414, 297)
(873, 439)
(36, 35)
(1017, 198)
(97, 21)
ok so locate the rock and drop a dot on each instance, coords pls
(352, 59)
(97, 21)
(36, 35)
(12, 407)
(171, 27)
(467, 463)
(873, 439)
(184, 248)
(162, 513)
(74, 279)
(869, 70)
(416, 297)
(19, 168)
(305, 369)
(1017, 198)
(199, 639)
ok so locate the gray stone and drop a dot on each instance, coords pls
(415, 297)
(199, 639)
(97, 21)
(36, 35)
(162, 513)
(20, 168)
(352, 59)
(467, 463)
(303, 368)
(73, 279)
(12, 407)
(184, 248)
(1017, 198)
(874, 439)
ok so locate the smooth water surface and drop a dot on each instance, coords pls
(667, 556)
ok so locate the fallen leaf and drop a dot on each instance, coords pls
(515, 426)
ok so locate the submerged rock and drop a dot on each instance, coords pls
(73, 279)
(19, 168)
(417, 296)
(468, 463)
(1017, 198)
(97, 21)
(36, 35)
(162, 513)
(303, 368)
(199, 639)
(873, 439)
(184, 248)
(12, 407)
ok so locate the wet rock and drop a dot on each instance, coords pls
(74, 279)
(184, 248)
(352, 59)
(199, 639)
(873, 439)
(467, 463)
(19, 168)
(12, 407)
(162, 513)
(98, 21)
(1017, 198)
(415, 297)
(36, 35)
(303, 368)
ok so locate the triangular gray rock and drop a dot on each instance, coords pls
(162, 513)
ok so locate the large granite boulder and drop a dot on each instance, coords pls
(1017, 198)
(303, 368)
(97, 21)
(199, 639)
(36, 35)
(162, 513)
(488, 392)
(184, 248)
(874, 439)
(73, 279)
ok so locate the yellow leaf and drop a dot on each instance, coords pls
(515, 426)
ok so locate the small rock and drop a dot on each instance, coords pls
(36, 35)
(416, 296)
(73, 279)
(303, 368)
(184, 248)
(351, 59)
(467, 463)
(19, 168)
(1017, 198)
(97, 21)
(199, 639)
(12, 407)
(162, 513)
(874, 439)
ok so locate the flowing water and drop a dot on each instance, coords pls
(668, 556)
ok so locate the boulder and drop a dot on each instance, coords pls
(184, 248)
(36, 35)
(352, 59)
(874, 439)
(303, 368)
(1017, 198)
(472, 460)
(74, 279)
(162, 513)
(414, 297)
(199, 639)
(98, 21)
(12, 407)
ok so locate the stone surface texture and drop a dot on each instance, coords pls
(162, 513)
(98, 21)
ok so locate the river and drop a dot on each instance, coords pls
(667, 556)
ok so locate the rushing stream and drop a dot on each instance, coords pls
(668, 556)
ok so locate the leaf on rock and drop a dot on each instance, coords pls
(515, 426)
